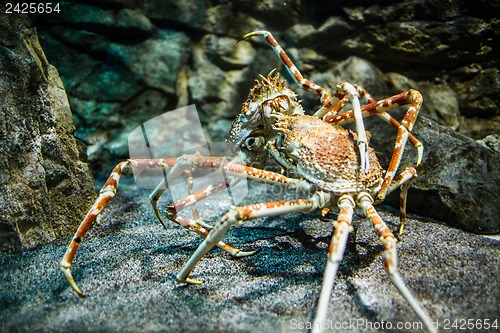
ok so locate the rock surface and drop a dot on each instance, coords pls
(449, 47)
(457, 181)
(127, 266)
(45, 186)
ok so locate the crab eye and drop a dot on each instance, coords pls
(253, 142)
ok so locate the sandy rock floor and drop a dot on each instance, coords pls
(127, 265)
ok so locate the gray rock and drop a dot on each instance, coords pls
(491, 141)
(441, 103)
(477, 89)
(114, 22)
(119, 86)
(188, 13)
(127, 266)
(458, 178)
(46, 188)
(228, 19)
(156, 61)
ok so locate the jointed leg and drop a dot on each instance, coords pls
(335, 254)
(380, 108)
(404, 181)
(195, 225)
(209, 190)
(188, 176)
(390, 259)
(325, 97)
(237, 215)
(105, 195)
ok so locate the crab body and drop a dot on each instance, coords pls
(325, 155)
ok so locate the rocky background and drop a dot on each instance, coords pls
(124, 62)
(45, 186)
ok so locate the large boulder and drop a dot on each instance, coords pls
(46, 187)
(458, 180)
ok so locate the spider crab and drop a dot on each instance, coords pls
(334, 168)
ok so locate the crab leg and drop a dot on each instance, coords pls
(190, 181)
(209, 190)
(404, 181)
(328, 103)
(238, 215)
(105, 195)
(380, 108)
(194, 224)
(325, 97)
(365, 202)
(362, 141)
(335, 254)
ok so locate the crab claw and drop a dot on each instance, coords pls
(360, 127)
(66, 269)
(241, 254)
(363, 155)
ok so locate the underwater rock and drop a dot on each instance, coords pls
(458, 179)
(127, 268)
(441, 103)
(113, 23)
(46, 188)
(478, 90)
(119, 86)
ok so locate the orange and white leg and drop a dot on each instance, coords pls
(107, 192)
(233, 171)
(343, 225)
(188, 176)
(194, 224)
(105, 195)
(325, 97)
(403, 181)
(365, 202)
(345, 91)
(197, 225)
(238, 215)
